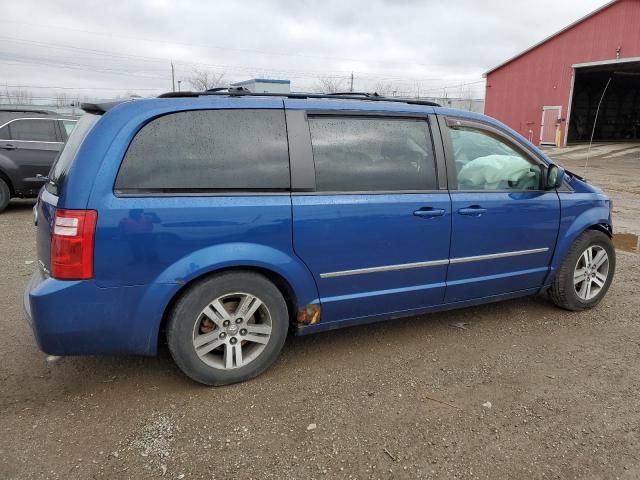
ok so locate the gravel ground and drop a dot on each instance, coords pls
(518, 389)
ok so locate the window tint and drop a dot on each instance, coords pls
(209, 149)
(4, 133)
(485, 162)
(365, 154)
(34, 130)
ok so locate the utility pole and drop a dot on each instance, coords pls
(351, 87)
(173, 78)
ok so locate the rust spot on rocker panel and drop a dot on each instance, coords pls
(309, 315)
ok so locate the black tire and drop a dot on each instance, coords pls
(5, 194)
(563, 292)
(186, 313)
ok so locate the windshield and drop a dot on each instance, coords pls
(65, 159)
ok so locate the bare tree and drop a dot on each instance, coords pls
(467, 97)
(23, 97)
(62, 99)
(385, 89)
(18, 97)
(202, 80)
(77, 100)
(330, 84)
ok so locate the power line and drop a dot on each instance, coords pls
(113, 71)
(55, 87)
(62, 63)
(209, 46)
(244, 68)
(72, 66)
(124, 88)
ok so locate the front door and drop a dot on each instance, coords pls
(504, 224)
(375, 231)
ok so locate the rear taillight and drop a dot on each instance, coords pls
(72, 244)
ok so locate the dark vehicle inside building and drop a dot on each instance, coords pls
(619, 116)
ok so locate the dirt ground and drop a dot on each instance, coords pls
(518, 389)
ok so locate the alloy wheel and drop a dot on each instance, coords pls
(232, 331)
(591, 272)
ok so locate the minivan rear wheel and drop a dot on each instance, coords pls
(586, 273)
(228, 328)
(5, 194)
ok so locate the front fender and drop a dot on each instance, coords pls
(579, 212)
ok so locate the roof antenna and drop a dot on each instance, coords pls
(595, 121)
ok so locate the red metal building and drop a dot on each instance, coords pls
(550, 92)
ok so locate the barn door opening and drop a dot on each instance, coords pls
(618, 119)
(550, 124)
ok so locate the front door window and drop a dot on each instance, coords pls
(485, 162)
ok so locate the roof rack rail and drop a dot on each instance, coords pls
(243, 92)
(364, 94)
(180, 94)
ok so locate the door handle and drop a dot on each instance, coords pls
(428, 212)
(8, 146)
(473, 210)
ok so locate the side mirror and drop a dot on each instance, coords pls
(555, 177)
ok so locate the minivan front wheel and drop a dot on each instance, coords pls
(586, 273)
(228, 328)
(5, 194)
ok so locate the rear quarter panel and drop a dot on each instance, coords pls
(156, 246)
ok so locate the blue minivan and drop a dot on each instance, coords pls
(219, 221)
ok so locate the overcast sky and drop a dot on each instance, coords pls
(106, 48)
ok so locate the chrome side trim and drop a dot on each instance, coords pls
(385, 268)
(493, 256)
(433, 263)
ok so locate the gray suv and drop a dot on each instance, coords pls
(29, 143)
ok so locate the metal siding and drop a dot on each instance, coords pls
(517, 91)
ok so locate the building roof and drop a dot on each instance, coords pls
(262, 80)
(568, 27)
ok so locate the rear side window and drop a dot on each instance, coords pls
(372, 154)
(63, 163)
(4, 133)
(208, 150)
(34, 130)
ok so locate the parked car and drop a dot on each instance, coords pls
(30, 141)
(218, 221)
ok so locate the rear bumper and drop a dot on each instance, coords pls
(80, 318)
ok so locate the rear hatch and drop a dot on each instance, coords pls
(45, 209)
